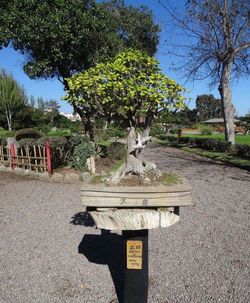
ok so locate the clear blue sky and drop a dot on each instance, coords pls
(53, 89)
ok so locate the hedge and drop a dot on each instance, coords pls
(27, 133)
(240, 150)
(57, 147)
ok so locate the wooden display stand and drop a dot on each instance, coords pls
(134, 210)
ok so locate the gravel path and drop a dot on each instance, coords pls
(203, 258)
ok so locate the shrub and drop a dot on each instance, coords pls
(157, 130)
(112, 132)
(6, 133)
(102, 149)
(206, 130)
(59, 133)
(241, 150)
(117, 133)
(174, 130)
(75, 140)
(169, 138)
(116, 150)
(162, 136)
(207, 143)
(44, 129)
(80, 155)
(58, 149)
(27, 133)
(72, 142)
(27, 142)
(3, 141)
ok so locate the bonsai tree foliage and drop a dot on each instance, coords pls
(130, 89)
(12, 97)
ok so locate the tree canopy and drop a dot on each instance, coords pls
(12, 97)
(62, 37)
(208, 107)
(128, 88)
(215, 45)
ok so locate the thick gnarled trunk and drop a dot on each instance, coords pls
(134, 163)
(136, 143)
(226, 102)
(135, 148)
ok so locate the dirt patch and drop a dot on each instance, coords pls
(66, 170)
(150, 179)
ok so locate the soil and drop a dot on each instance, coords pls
(66, 170)
(150, 179)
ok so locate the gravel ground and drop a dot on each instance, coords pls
(203, 258)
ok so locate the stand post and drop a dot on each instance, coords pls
(135, 288)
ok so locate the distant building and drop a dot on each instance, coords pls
(218, 123)
(71, 117)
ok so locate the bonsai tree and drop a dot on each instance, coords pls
(130, 89)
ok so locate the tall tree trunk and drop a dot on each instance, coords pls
(226, 103)
(9, 119)
(88, 127)
(84, 115)
(86, 120)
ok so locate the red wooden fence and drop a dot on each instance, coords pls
(36, 158)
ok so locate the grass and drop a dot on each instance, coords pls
(233, 160)
(170, 179)
(236, 161)
(240, 139)
(115, 166)
(6, 133)
(100, 179)
(105, 143)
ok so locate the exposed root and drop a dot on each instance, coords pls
(148, 173)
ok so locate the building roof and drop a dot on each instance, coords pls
(218, 120)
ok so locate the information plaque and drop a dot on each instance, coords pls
(134, 254)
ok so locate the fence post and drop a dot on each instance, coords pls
(13, 156)
(48, 156)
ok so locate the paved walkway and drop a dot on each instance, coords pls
(203, 258)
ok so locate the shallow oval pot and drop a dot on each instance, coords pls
(135, 207)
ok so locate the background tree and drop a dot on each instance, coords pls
(130, 89)
(208, 107)
(12, 97)
(5, 8)
(217, 35)
(32, 102)
(52, 110)
(134, 26)
(185, 117)
(73, 35)
(41, 103)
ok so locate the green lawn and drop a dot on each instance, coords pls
(237, 161)
(240, 139)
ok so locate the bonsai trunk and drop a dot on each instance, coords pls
(226, 102)
(134, 158)
(136, 143)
